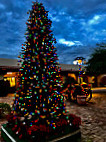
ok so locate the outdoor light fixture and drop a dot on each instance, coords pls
(79, 61)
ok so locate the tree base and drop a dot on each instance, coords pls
(9, 136)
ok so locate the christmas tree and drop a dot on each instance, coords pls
(39, 108)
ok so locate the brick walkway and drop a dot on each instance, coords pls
(93, 117)
(8, 100)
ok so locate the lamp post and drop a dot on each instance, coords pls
(79, 61)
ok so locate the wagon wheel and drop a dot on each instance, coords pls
(89, 96)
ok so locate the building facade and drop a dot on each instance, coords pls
(9, 70)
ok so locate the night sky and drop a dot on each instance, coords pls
(77, 26)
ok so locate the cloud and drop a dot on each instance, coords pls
(68, 55)
(76, 24)
(68, 43)
(78, 8)
(2, 6)
(95, 20)
(54, 18)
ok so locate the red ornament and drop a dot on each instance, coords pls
(13, 129)
(20, 137)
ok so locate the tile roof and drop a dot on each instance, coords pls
(14, 64)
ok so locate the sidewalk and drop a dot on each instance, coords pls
(99, 90)
(93, 117)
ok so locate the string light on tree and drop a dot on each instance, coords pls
(39, 105)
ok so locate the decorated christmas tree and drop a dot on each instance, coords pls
(39, 110)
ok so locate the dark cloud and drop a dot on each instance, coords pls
(76, 24)
(8, 56)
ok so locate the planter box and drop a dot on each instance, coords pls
(81, 99)
(9, 136)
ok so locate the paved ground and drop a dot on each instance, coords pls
(9, 100)
(93, 116)
(99, 89)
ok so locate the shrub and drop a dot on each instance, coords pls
(4, 110)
